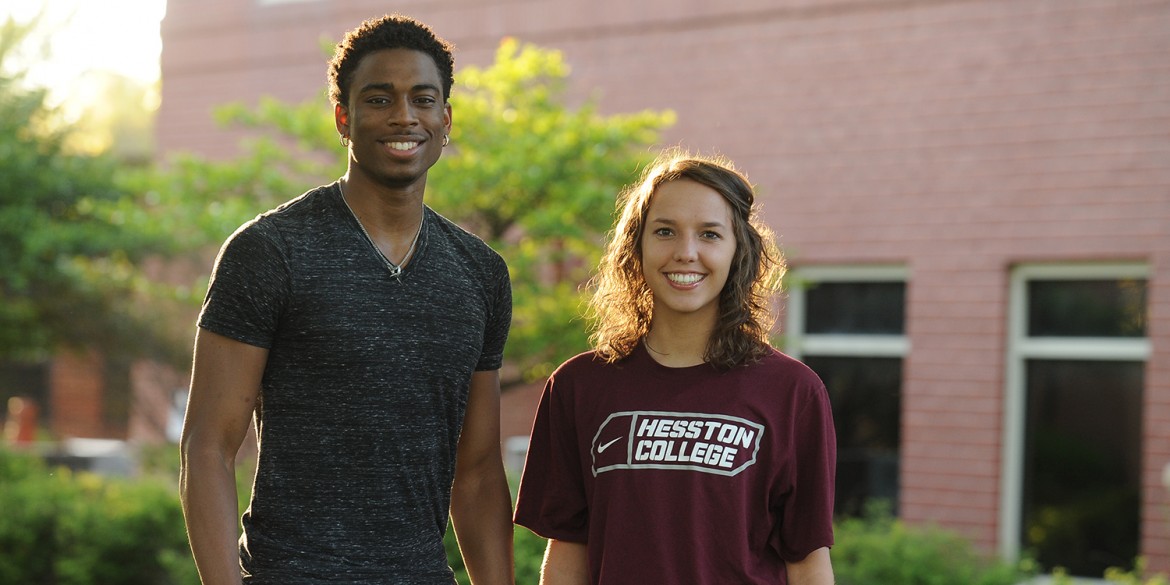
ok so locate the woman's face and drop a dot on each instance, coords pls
(688, 244)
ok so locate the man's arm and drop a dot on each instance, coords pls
(565, 563)
(815, 569)
(225, 384)
(481, 507)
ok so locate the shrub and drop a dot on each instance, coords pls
(878, 549)
(529, 555)
(1118, 576)
(82, 529)
(1137, 577)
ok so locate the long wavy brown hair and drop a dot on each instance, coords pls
(623, 305)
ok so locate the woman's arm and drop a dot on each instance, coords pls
(565, 563)
(815, 569)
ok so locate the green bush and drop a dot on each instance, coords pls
(1118, 575)
(1138, 576)
(81, 529)
(880, 550)
(529, 555)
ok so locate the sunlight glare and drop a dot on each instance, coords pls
(90, 36)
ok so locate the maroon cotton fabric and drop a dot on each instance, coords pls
(682, 475)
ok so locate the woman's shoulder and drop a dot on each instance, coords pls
(783, 366)
(584, 362)
(593, 367)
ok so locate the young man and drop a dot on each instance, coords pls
(364, 333)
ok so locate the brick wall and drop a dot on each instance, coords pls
(956, 137)
(76, 384)
(1155, 528)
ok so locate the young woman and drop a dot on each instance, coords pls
(683, 449)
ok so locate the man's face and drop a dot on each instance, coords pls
(396, 117)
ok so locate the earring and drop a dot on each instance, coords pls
(343, 139)
(446, 139)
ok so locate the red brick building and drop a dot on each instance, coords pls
(974, 195)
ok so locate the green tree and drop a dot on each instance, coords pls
(69, 254)
(535, 178)
(119, 121)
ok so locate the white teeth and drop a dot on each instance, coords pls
(402, 145)
(688, 278)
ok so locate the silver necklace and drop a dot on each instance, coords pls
(647, 344)
(395, 269)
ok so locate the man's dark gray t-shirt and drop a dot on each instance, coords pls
(364, 393)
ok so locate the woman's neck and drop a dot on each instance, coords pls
(678, 344)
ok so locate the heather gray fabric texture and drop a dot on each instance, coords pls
(365, 389)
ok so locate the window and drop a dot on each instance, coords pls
(1077, 352)
(848, 325)
(28, 383)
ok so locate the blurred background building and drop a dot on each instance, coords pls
(974, 196)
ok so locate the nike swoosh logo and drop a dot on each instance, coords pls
(606, 446)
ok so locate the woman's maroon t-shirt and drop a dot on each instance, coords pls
(682, 475)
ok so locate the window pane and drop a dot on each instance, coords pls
(1082, 464)
(1087, 308)
(29, 381)
(866, 397)
(856, 307)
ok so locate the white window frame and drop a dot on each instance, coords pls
(799, 343)
(1021, 347)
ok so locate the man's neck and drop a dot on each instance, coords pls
(383, 210)
(391, 219)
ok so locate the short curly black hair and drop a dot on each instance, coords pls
(393, 31)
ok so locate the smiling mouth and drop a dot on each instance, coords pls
(684, 279)
(404, 146)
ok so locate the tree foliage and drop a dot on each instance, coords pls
(69, 253)
(538, 181)
(119, 121)
(533, 177)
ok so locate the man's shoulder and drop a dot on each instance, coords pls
(296, 211)
(306, 206)
(454, 230)
(459, 238)
(287, 224)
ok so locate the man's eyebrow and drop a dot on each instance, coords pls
(390, 87)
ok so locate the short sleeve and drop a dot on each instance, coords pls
(500, 319)
(249, 288)
(552, 500)
(804, 521)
